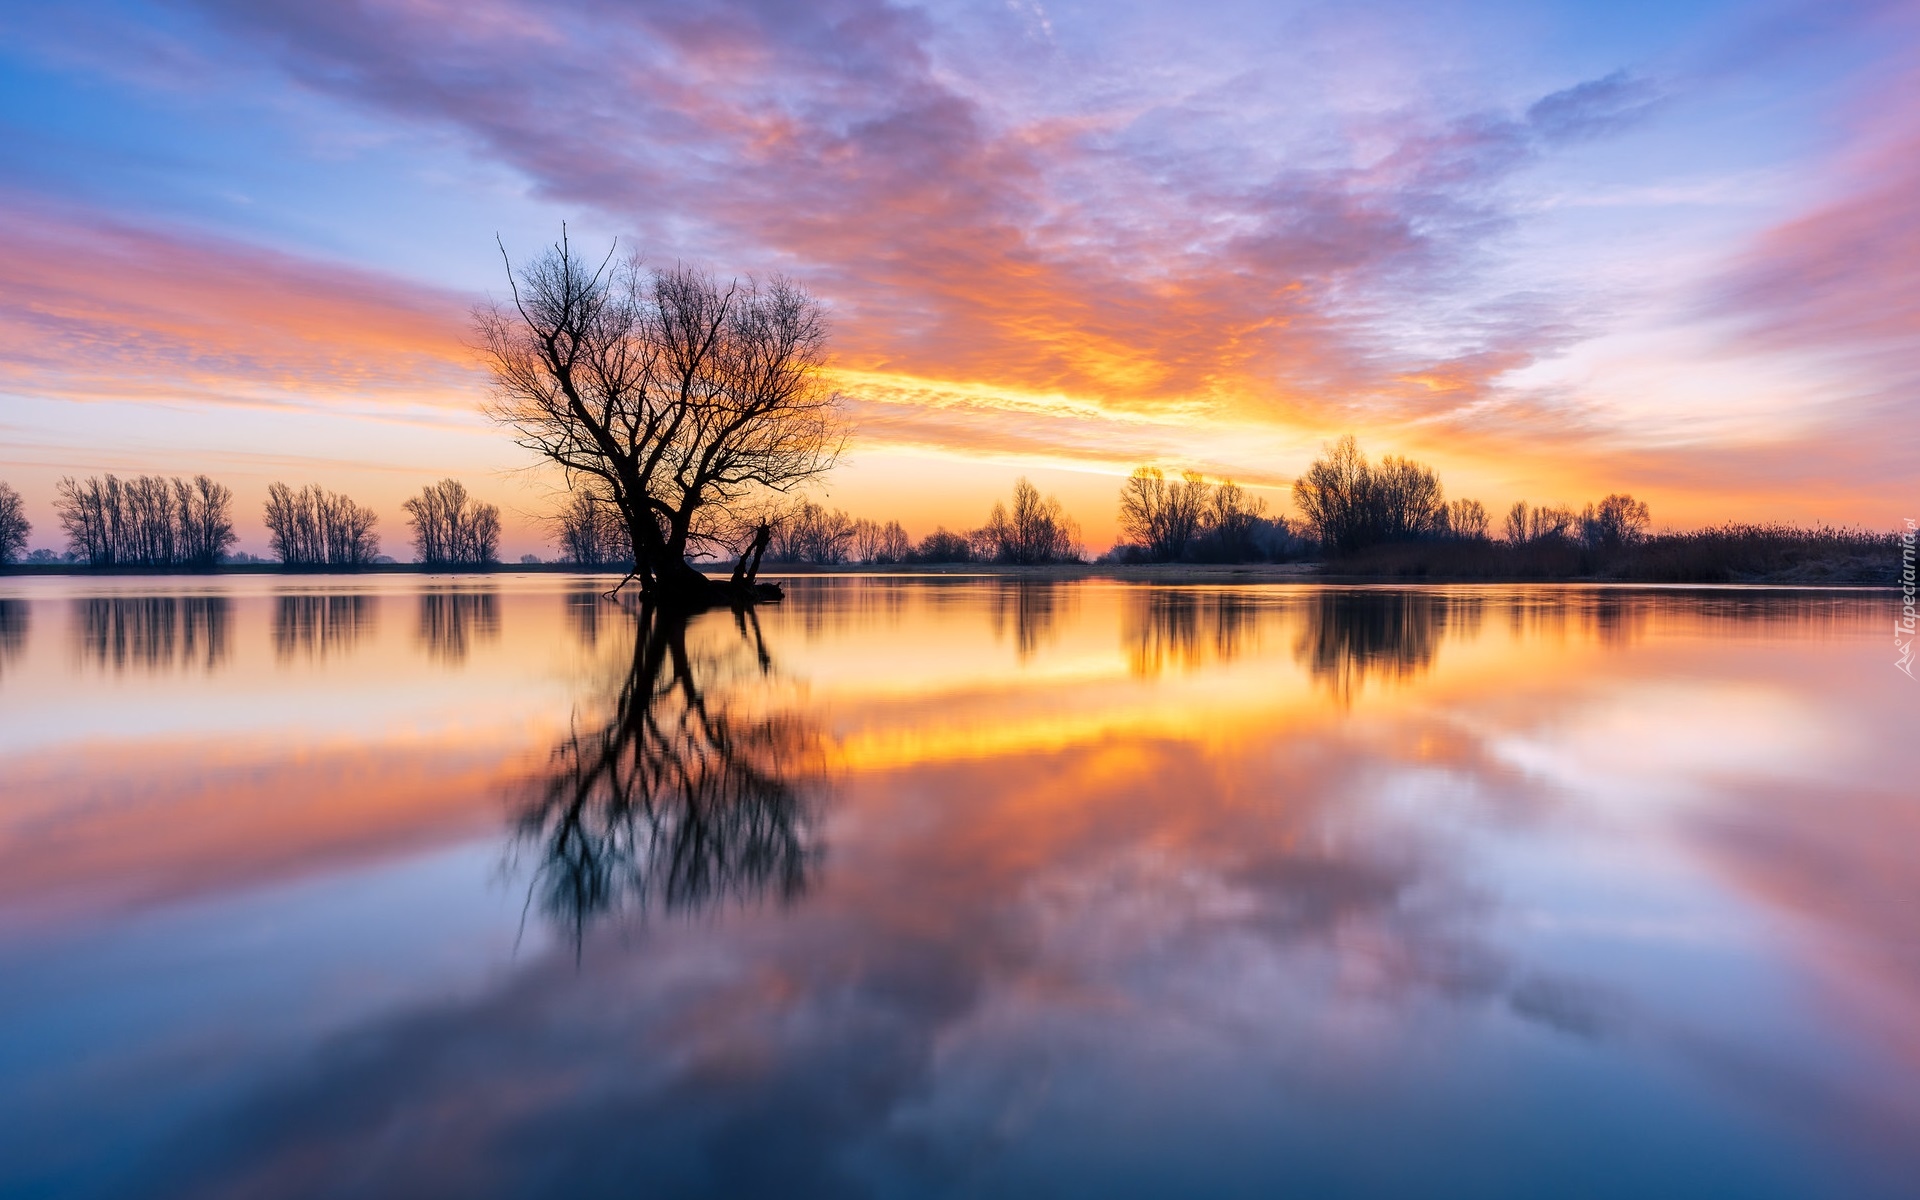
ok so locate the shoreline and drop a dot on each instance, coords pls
(1160, 573)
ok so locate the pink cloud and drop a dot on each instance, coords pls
(91, 306)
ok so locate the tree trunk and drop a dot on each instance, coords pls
(675, 585)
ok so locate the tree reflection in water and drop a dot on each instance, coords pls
(316, 626)
(157, 633)
(452, 621)
(1187, 628)
(13, 631)
(688, 795)
(1353, 636)
(1032, 608)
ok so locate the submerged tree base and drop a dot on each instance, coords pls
(685, 597)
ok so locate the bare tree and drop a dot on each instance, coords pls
(1350, 503)
(1231, 522)
(1467, 520)
(880, 544)
(1555, 522)
(206, 521)
(592, 532)
(1161, 515)
(684, 401)
(14, 527)
(1334, 495)
(1516, 527)
(315, 527)
(810, 533)
(1405, 501)
(1617, 521)
(147, 521)
(1036, 530)
(943, 545)
(451, 528)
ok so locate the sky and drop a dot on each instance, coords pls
(1555, 250)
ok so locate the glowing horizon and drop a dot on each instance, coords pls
(1554, 251)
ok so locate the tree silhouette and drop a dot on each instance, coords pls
(452, 528)
(679, 799)
(14, 527)
(1035, 530)
(314, 527)
(686, 404)
(146, 521)
(1161, 515)
(1352, 503)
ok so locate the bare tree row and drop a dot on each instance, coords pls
(152, 521)
(1350, 504)
(1174, 520)
(1031, 529)
(1619, 520)
(314, 527)
(147, 521)
(451, 528)
(14, 526)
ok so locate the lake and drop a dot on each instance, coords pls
(475, 886)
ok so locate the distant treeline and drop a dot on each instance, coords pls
(1392, 519)
(150, 521)
(1030, 529)
(1387, 518)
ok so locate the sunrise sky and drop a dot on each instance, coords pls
(1554, 249)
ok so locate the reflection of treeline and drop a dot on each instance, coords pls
(146, 521)
(584, 611)
(1350, 637)
(154, 632)
(13, 630)
(1030, 609)
(1186, 628)
(827, 604)
(316, 626)
(680, 798)
(452, 621)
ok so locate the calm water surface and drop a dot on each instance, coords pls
(418, 887)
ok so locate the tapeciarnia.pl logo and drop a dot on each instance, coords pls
(1903, 629)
